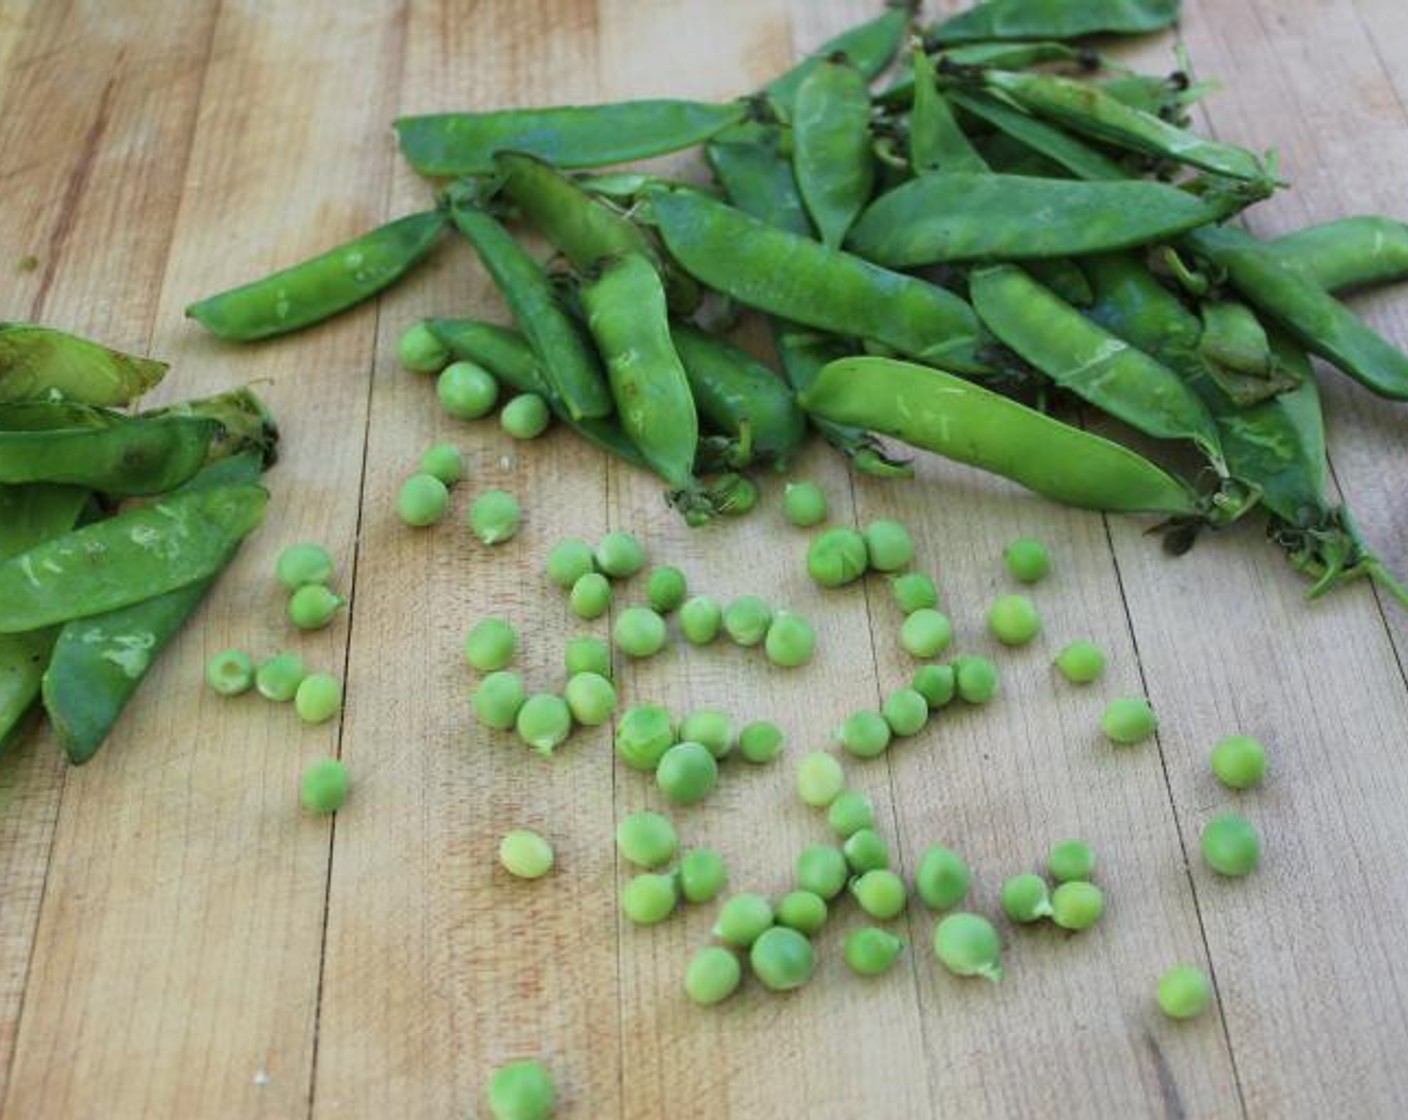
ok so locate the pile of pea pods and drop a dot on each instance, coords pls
(1011, 233)
(94, 590)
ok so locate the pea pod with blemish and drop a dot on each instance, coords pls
(132, 457)
(41, 364)
(1054, 19)
(831, 147)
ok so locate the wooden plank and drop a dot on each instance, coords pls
(177, 961)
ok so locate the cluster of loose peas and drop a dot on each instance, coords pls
(424, 498)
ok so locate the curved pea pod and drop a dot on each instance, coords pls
(568, 136)
(322, 286)
(831, 148)
(939, 412)
(870, 47)
(756, 173)
(958, 216)
(1349, 252)
(1055, 19)
(1077, 157)
(136, 456)
(936, 143)
(40, 363)
(806, 282)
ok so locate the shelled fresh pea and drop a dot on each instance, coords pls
(494, 516)
(820, 779)
(802, 911)
(525, 416)
(936, 683)
(837, 557)
(1184, 992)
(865, 734)
(1128, 721)
(466, 391)
(942, 878)
(420, 351)
(822, 869)
(906, 711)
(742, 919)
(490, 645)
(1025, 899)
(568, 561)
(301, 564)
(324, 786)
(639, 632)
(498, 700)
(851, 812)
(1231, 846)
(687, 773)
(525, 854)
(313, 606)
(914, 591)
(319, 698)
(278, 677)
(976, 679)
(666, 589)
(587, 655)
(888, 545)
(521, 1090)
(702, 875)
(649, 899)
(544, 722)
(872, 951)
(1076, 905)
(701, 618)
(1071, 861)
(804, 504)
(746, 620)
(423, 500)
(230, 672)
(619, 555)
(1239, 762)
(1027, 560)
(443, 461)
(782, 958)
(1081, 662)
(1013, 620)
(591, 698)
(926, 633)
(880, 893)
(713, 975)
(709, 727)
(865, 850)
(590, 597)
(968, 945)
(647, 839)
(790, 640)
(643, 734)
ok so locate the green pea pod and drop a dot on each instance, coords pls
(1063, 277)
(40, 363)
(1234, 338)
(137, 456)
(568, 136)
(936, 143)
(1348, 253)
(322, 286)
(1164, 96)
(564, 356)
(1005, 56)
(806, 282)
(1055, 19)
(950, 416)
(957, 216)
(870, 47)
(1077, 157)
(831, 148)
(245, 424)
(143, 552)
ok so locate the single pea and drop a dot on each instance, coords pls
(420, 351)
(521, 1091)
(820, 779)
(1184, 992)
(587, 655)
(278, 677)
(313, 606)
(803, 911)
(926, 633)
(301, 564)
(526, 416)
(466, 391)
(619, 555)
(498, 699)
(1071, 860)
(872, 951)
(568, 561)
(1076, 905)
(713, 729)
(423, 500)
(851, 812)
(1231, 845)
(666, 588)
(865, 850)
(935, 683)
(837, 557)
(324, 786)
(230, 672)
(319, 698)
(1081, 662)
(822, 869)
(976, 679)
(746, 619)
(591, 698)
(906, 711)
(790, 641)
(804, 504)
(702, 875)
(687, 773)
(1027, 560)
(648, 899)
(1013, 620)
(1239, 762)
(490, 645)
(881, 893)
(643, 735)
(700, 620)
(865, 734)
(942, 877)
(639, 632)
(743, 919)
(888, 544)
(1128, 721)
(525, 854)
(914, 591)
(590, 596)
(760, 741)
(1025, 899)
(443, 461)
(494, 516)
(647, 839)
(737, 495)
(967, 945)
(782, 959)
(544, 722)
(712, 976)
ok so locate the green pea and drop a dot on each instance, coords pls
(1077, 905)
(568, 561)
(851, 812)
(865, 850)
(803, 911)
(837, 557)
(1081, 662)
(643, 735)
(712, 976)
(804, 504)
(230, 672)
(443, 461)
(1071, 860)
(743, 919)
(687, 773)
(324, 785)
(906, 711)
(301, 564)
(760, 741)
(466, 391)
(544, 722)
(1231, 845)
(521, 1091)
(525, 854)
(420, 351)
(790, 641)
(822, 869)
(590, 596)
(926, 633)
(702, 875)
(490, 645)
(587, 655)
(639, 632)
(1239, 762)
(865, 734)
(872, 951)
(746, 619)
(967, 945)
(975, 679)
(1025, 899)
(1184, 992)
(591, 698)
(422, 501)
(1027, 560)
(1128, 721)
(620, 555)
(498, 700)
(494, 516)
(1013, 620)
(319, 698)
(782, 959)
(820, 779)
(713, 729)
(279, 676)
(313, 606)
(648, 899)
(647, 839)
(666, 589)
(888, 545)
(881, 893)
(914, 591)
(935, 683)
(526, 416)
(700, 620)
(942, 877)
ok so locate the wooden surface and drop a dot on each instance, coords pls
(176, 939)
